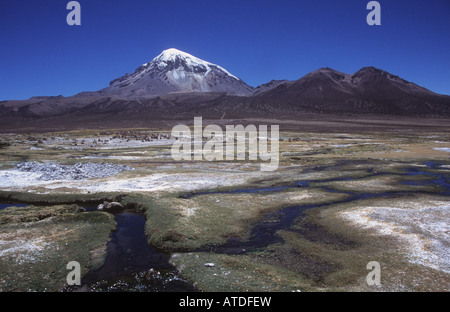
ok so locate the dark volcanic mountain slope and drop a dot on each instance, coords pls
(268, 86)
(176, 71)
(370, 90)
(398, 95)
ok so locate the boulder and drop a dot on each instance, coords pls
(110, 206)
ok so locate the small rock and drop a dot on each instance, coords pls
(80, 209)
(110, 206)
(209, 265)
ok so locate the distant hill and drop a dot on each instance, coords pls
(177, 85)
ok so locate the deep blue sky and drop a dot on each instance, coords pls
(255, 40)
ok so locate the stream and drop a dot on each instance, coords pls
(264, 232)
(131, 264)
(4, 205)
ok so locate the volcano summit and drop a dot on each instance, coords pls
(176, 85)
(176, 71)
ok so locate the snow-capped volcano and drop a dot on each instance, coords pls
(177, 71)
(191, 63)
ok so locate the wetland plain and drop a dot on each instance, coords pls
(337, 201)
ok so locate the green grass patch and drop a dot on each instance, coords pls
(37, 243)
(236, 274)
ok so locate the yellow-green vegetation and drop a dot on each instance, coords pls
(326, 252)
(237, 274)
(189, 223)
(382, 183)
(37, 243)
(402, 244)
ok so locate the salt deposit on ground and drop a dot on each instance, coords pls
(31, 174)
(15, 178)
(341, 145)
(444, 149)
(158, 182)
(97, 177)
(424, 232)
(79, 171)
(23, 250)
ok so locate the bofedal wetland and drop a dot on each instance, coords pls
(336, 202)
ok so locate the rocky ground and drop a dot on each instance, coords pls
(79, 171)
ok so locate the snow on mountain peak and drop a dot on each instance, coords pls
(177, 71)
(171, 55)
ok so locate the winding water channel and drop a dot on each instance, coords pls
(133, 265)
(264, 232)
(129, 255)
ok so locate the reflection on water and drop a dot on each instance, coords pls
(6, 205)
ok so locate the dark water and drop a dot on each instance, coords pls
(433, 178)
(6, 205)
(132, 264)
(264, 234)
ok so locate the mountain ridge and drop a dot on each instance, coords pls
(210, 90)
